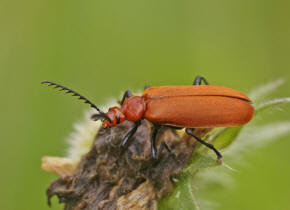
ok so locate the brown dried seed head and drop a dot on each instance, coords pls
(105, 180)
(141, 198)
(59, 166)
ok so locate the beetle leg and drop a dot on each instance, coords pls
(125, 142)
(127, 94)
(162, 147)
(146, 87)
(189, 131)
(199, 79)
(154, 154)
(173, 127)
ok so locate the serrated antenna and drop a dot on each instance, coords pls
(86, 101)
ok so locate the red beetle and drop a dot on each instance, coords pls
(197, 106)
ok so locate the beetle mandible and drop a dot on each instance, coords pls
(189, 107)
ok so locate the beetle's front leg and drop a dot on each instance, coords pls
(146, 87)
(127, 94)
(199, 79)
(125, 142)
(189, 131)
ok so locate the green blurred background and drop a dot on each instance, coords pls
(103, 47)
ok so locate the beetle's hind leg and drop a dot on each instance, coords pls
(127, 94)
(199, 79)
(189, 131)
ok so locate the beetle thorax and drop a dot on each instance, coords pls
(133, 108)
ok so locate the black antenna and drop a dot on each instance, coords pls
(62, 88)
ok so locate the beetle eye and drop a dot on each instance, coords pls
(118, 119)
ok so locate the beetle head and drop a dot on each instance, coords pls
(114, 117)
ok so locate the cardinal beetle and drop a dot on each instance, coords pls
(196, 106)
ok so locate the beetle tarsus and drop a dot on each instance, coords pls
(189, 131)
(199, 79)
